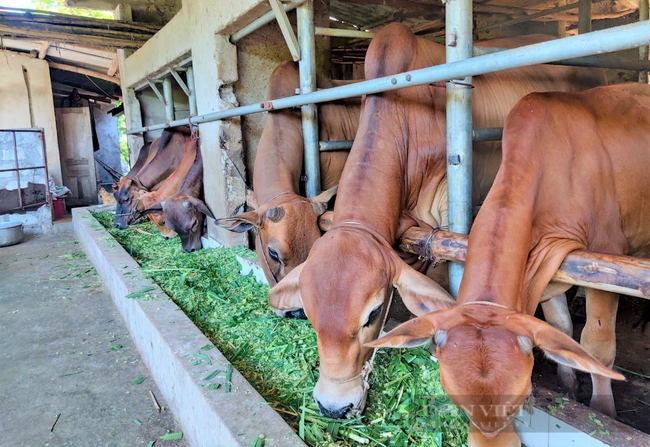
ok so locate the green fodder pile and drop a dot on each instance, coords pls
(406, 403)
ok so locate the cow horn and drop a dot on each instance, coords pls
(440, 338)
(186, 205)
(275, 214)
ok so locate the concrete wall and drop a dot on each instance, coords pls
(16, 72)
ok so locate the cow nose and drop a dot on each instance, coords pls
(298, 314)
(334, 414)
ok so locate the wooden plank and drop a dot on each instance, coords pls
(286, 28)
(42, 51)
(72, 38)
(85, 71)
(114, 66)
(613, 273)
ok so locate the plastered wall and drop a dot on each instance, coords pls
(23, 80)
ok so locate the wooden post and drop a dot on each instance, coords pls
(612, 273)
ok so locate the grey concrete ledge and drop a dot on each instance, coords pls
(170, 345)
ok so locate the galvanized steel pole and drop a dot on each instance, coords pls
(307, 67)
(169, 99)
(458, 17)
(643, 51)
(190, 85)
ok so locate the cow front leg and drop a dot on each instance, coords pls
(599, 339)
(556, 313)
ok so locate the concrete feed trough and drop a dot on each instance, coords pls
(169, 342)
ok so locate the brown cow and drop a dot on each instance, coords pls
(184, 212)
(564, 185)
(169, 187)
(287, 222)
(166, 159)
(392, 180)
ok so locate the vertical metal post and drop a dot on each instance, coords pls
(584, 16)
(307, 66)
(643, 51)
(190, 85)
(169, 98)
(459, 128)
(20, 193)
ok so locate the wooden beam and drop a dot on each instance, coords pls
(84, 39)
(42, 51)
(113, 68)
(85, 71)
(612, 273)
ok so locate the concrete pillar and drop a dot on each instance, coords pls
(214, 61)
(131, 105)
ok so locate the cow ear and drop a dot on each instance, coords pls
(321, 201)
(416, 332)
(285, 295)
(420, 293)
(241, 222)
(116, 186)
(202, 207)
(558, 346)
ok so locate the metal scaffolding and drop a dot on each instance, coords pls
(462, 64)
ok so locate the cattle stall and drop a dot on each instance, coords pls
(194, 81)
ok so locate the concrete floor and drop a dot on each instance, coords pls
(65, 350)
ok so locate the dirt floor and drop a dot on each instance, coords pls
(69, 373)
(632, 397)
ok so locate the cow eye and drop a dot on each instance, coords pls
(274, 255)
(374, 315)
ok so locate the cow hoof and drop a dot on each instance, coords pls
(567, 382)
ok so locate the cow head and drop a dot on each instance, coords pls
(287, 226)
(486, 361)
(126, 193)
(345, 288)
(184, 215)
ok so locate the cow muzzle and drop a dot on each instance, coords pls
(338, 398)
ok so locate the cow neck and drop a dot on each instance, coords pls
(279, 158)
(370, 189)
(164, 163)
(498, 248)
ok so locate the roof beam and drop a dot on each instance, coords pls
(114, 66)
(85, 71)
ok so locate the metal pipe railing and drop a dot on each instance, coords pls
(604, 61)
(309, 112)
(266, 18)
(480, 134)
(334, 32)
(609, 40)
(169, 98)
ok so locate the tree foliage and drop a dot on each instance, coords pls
(59, 6)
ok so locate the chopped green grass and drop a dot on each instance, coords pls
(406, 403)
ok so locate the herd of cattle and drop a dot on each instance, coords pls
(571, 173)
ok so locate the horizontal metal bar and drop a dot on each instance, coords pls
(604, 61)
(333, 32)
(266, 18)
(21, 169)
(337, 145)
(487, 134)
(24, 129)
(605, 41)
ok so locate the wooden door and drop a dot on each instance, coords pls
(76, 152)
